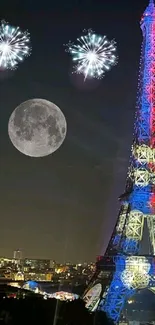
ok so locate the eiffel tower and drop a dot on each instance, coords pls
(124, 269)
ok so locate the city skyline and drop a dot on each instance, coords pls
(65, 206)
(25, 257)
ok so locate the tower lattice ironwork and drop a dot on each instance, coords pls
(123, 269)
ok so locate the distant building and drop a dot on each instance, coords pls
(36, 265)
(17, 255)
(37, 276)
(19, 276)
(52, 264)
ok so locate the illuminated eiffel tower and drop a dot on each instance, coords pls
(123, 269)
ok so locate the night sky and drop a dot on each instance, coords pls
(64, 206)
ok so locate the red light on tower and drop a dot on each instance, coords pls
(152, 203)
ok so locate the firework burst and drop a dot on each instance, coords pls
(14, 46)
(93, 54)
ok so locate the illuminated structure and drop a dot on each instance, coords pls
(123, 269)
(17, 255)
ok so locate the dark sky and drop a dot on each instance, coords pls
(64, 206)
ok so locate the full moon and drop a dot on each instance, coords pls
(37, 127)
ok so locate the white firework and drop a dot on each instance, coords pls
(14, 46)
(94, 54)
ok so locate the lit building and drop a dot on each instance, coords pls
(36, 264)
(19, 276)
(36, 276)
(17, 255)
